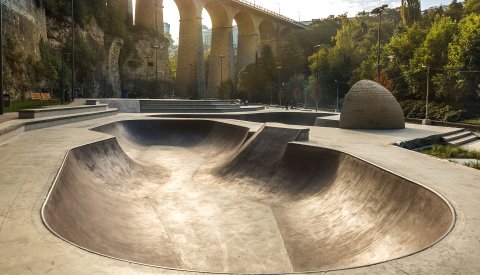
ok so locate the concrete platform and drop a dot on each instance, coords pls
(51, 111)
(31, 161)
(177, 106)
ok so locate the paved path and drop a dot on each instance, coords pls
(473, 145)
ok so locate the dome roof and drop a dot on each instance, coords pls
(369, 105)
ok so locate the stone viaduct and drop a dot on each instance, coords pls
(256, 26)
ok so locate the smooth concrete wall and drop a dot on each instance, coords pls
(197, 195)
(123, 105)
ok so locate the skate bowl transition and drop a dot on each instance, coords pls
(209, 196)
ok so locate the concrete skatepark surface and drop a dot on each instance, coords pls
(287, 117)
(31, 161)
(198, 195)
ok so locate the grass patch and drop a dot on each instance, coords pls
(473, 121)
(473, 164)
(451, 152)
(454, 152)
(28, 104)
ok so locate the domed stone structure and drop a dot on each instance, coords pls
(369, 105)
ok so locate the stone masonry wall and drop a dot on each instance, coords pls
(25, 20)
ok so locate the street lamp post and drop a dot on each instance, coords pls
(379, 11)
(174, 72)
(317, 47)
(337, 109)
(147, 57)
(1, 58)
(156, 47)
(64, 54)
(279, 68)
(427, 121)
(305, 95)
(73, 50)
(221, 69)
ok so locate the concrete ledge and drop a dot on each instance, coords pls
(92, 102)
(15, 127)
(328, 121)
(123, 105)
(60, 120)
(58, 111)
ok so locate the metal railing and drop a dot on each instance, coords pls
(269, 12)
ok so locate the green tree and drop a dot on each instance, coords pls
(471, 6)
(320, 32)
(455, 10)
(411, 12)
(463, 55)
(267, 63)
(256, 80)
(399, 51)
(292, 59)
(434, 53)
(226, 89)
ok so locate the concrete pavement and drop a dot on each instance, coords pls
(31, 160)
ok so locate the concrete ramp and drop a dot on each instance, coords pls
(200, 195)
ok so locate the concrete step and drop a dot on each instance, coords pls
(65, 119)
(189, 102)
(189, 106)
(92, 102)
(60, 111)
(464, 140)
(460, 130)
(15, 127)
(185, 105)
(187, 111)
(168, 107)
(457, 136)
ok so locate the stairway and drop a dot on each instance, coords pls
(460, 137)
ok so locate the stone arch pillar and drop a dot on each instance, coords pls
(190, 79)
(222, 45)
(248, 39)
(145, 13)
(285, 33)
(268, 35)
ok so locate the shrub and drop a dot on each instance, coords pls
(437, 111)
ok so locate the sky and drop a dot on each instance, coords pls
(304, 9)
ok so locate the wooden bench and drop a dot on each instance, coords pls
(36, 96)
(46, 96)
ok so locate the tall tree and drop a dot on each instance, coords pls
(455, 10)
(434, 53)
(411, 12)
(471, 6)
(464, 60)
(400, 50)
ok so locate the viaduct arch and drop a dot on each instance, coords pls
(257, 27)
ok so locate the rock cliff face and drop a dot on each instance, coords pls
(24, 26)
(140, 71)
(25, 21)
(112, 68)
(121, 64)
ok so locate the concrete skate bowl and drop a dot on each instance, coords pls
(264, 204)
(291, 117)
